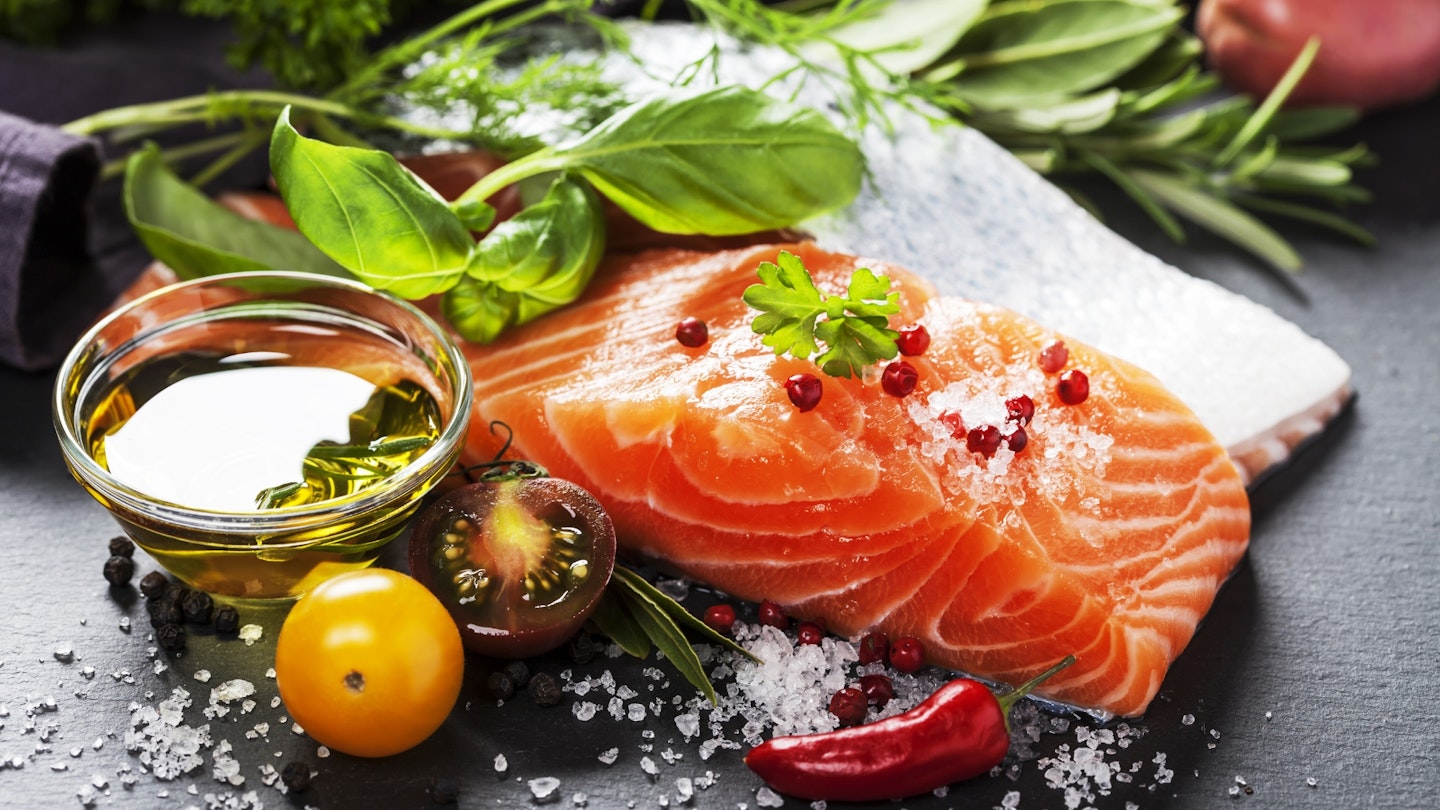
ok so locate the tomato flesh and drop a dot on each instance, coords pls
(519, 563)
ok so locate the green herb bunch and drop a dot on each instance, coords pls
(1107, 88)
(796, 317)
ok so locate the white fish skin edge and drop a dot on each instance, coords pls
(955, 207)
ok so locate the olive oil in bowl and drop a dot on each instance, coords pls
(271, 438)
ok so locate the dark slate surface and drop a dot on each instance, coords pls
(1319, 660)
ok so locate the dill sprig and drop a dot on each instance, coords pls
(361, 104)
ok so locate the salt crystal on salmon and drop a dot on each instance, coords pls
(1106, 537)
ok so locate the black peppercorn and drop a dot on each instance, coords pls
(501, 685)
(227, 620)
(164, 613)
(444, 790)
(174, 592)
(544, 690)
(153, 584)
(197, 607)
(118, 570)
(171, 637)
(296, 777)
(121, 547)
(519, 673)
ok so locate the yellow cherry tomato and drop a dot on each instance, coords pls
(369, 663)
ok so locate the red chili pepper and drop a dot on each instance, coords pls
(961, 731)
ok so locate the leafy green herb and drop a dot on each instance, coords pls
(795, 314)
(271, 497)
(530, 264)
(197, 237)
(637, 615)
(722, 161)
(365, 211)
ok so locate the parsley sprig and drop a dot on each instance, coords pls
(795, 314)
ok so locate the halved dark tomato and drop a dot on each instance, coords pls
(520, 562)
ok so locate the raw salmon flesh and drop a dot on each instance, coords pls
(1107, 536)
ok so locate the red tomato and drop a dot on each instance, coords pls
(369, 663)
(1375, 53)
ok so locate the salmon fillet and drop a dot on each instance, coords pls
(1106, 537)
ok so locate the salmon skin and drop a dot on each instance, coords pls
(1107, 537)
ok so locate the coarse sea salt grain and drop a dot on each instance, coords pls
(765, 797)
(544, 787)
(162, 741)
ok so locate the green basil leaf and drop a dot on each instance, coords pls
(561, 237)
(195, 236)
(364, 210)
(1020, 52)
(479, 310)
(724, 161)
(531, 264)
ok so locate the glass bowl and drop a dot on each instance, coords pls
(258, 433)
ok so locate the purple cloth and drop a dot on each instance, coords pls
(49, 287)
(66, 250)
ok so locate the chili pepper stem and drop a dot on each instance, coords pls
(1011, 698)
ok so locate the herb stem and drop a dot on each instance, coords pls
(249, 140)
(413, 47)
(545, 160)
(175, 154)
(372, 450)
